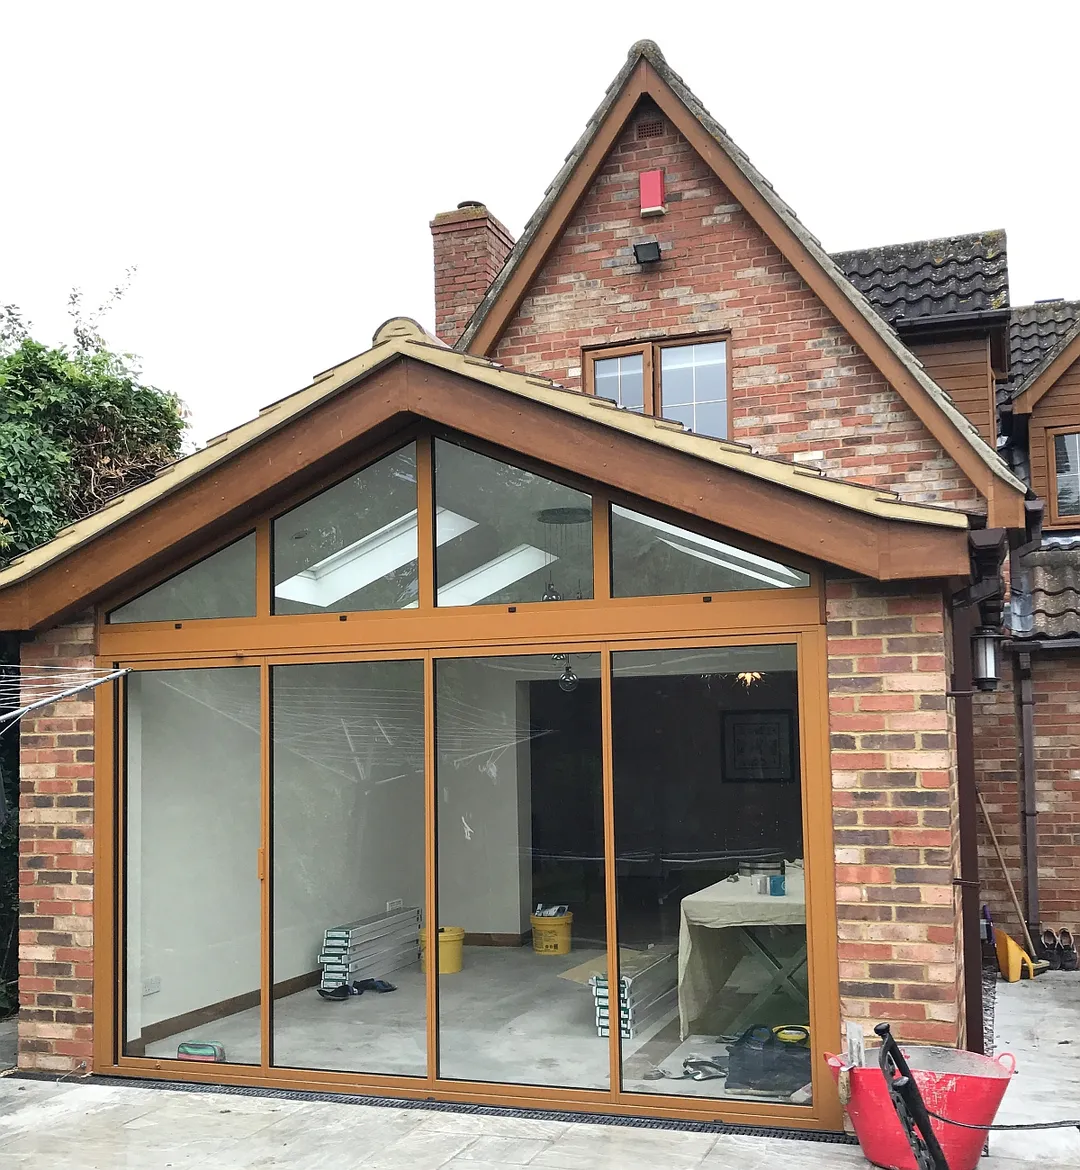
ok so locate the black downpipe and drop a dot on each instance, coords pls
(1028, 808)
(965, 619)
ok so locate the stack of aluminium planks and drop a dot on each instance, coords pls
(370, 948)
(648, 992)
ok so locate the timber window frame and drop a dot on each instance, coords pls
(1057, 518)
(652, 360)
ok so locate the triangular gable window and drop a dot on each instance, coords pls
(520, 537)
(220, 586)
(353, 546)
(651, 558)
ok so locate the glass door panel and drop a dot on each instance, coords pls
(348, 867)
(711, 908)
(520, 835)
(192, 892)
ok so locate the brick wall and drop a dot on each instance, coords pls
(895, 810)
(998, 762)
(997, 777)
(470, 247)
(799, 385)
(1056, 678)
(56, 866)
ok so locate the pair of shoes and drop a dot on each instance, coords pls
(342, 991)
(1060, 949)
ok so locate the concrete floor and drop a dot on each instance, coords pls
(1039, 1023)
(95, 1127)
(507, 1017)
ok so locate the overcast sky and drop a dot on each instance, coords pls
(271, 169)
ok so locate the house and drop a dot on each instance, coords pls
(632, 610)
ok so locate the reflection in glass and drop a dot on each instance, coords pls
(709, 856)
(520, 824)
(651, 557)
(192, 905)
(519, 537)
(353, 546)
(1067, 466)
(348, 859)
(220, 586)
(693, 386)
(622, 380)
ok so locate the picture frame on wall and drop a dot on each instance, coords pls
(757, 746)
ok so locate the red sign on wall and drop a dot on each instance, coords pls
(651, 186)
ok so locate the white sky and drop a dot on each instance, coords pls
(271, 169)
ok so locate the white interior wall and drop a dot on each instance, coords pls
(195, 766)
(348, 834)
(484, 831)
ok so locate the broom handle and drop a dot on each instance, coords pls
(1005, 871)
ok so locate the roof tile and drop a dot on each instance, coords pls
(1050, 608)
(1035, 332)
(924, 278)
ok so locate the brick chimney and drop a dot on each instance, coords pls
(470, 248)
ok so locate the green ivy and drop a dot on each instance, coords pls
(76, 428)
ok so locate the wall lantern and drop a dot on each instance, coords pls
(985, 672)
(647, 252)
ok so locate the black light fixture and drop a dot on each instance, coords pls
(985, 672)
(568, 681)
(647, 251)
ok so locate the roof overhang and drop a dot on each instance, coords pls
(991, 323)
(407, 376)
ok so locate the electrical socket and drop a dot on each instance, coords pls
(151, 984)
(394, 904)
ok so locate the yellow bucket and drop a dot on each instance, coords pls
(451, 941)
(551, 936)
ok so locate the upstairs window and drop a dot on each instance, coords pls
(1066, 471)
(684, 380)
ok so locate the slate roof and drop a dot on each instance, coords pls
(1050, 608)
(1035, 333)
(926, 278)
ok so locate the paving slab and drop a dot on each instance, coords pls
(1038, 1021)
(89, 1126)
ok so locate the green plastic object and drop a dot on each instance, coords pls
(207, 1053)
